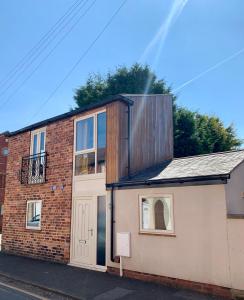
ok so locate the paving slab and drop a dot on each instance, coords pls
(84, 284)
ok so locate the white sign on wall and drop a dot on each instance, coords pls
(123, 244)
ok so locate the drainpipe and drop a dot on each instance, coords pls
(129, 140)
(112, 187)
(112, 225)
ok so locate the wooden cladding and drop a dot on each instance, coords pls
(151, 134)
(151, 131)
(117, 141)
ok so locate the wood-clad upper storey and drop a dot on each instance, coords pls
(151, 135)
(117, 141)
(151, 131)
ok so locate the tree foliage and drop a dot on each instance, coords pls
(132, 80)
(194, 133)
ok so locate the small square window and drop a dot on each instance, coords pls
(1, 209)
(5, 151)
(156, 214)
(33, 214)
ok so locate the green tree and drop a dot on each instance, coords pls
(134, 80)
(194, 133)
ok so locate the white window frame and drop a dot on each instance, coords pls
(157, 231)
(91, 150)
(34, 132)
(26, 218)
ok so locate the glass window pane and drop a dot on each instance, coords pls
(42, 142)
(101, 142)
(156, 213)
(33, 214)
(101, 230)
(84, 134)
(101, 130)
(85, 163)
(34, 149)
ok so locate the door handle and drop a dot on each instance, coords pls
(91, 230)
(82, 241)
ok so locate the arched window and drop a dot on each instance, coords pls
(156, 214)
(159, 215)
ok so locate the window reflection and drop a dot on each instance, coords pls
(156, 213)
(33, 217)
(101, 142)
(101, 230)
(85, 163)
(84, 134)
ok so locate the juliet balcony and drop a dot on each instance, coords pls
(33, 169)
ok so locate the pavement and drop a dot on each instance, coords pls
(77, 283)
(7, 293)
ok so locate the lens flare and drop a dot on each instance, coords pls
(162, 33)
(217, 65)
(157, 42)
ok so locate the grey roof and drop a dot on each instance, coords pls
(72, 113)
(205, 167)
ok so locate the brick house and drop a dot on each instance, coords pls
(76, 181)
(3, 165)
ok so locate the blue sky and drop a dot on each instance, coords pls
(204, 33)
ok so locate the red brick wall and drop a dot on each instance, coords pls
(52, 242)
(3, 164)
(176, 283)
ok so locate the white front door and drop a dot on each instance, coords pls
(83, 231)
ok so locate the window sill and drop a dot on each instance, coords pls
(235, 216)
(89, 176)
(158, 233)
(33, 229)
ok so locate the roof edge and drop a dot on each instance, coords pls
(221, 177)
(209, 154)
(69, 114)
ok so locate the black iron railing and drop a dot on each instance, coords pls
(33, 169)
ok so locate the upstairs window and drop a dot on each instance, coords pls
(156, 214)
(90, 144)
(37, 156)
(38, 141)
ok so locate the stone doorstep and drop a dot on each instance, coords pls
(203, 288)
(48, 289)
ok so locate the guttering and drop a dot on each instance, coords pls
(129, 104)
(72, 113)
(129, 139)
(221, 179)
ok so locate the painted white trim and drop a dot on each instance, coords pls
(94, 149)
(94, 199)
(86, 177)
(37, 131)
(80, 179)
(26, 215)
(155, 231)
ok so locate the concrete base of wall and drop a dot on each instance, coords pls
(175, 282)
